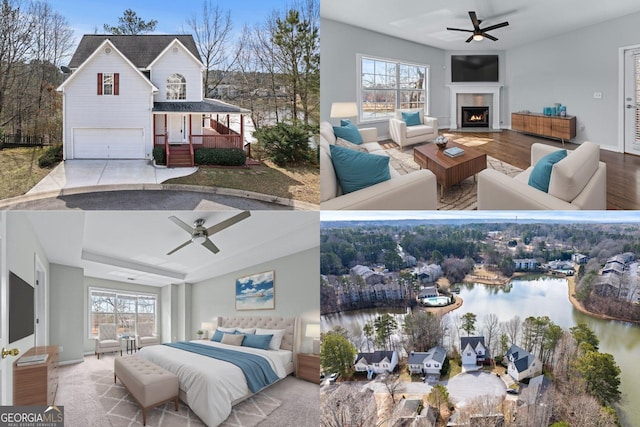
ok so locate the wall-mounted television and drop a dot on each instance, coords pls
(21, 310)
(474, 68)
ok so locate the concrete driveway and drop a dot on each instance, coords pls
(89, 173)
(465, 387)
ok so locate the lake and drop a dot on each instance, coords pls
(541, 296)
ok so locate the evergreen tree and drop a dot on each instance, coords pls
(337, 354)
(131, 24)
(469, 323)
(602, 376)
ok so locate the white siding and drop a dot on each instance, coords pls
(179, 62)
(84, 108)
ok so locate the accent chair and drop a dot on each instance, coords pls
(404, 135)
(145, 336)
(108, 340)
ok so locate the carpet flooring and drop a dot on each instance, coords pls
(90, 398)
(462, 196)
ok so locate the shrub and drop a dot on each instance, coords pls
(220, 156)
(51, 156)
(159, 155)
(285, 143)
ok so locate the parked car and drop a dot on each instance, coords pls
(333, 377)
(513, 391)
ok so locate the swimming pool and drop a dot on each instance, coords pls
(439, 301)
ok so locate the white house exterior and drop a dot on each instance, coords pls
(378, 361)
(522, 364)
(126, 94)
(473, 350)
(525, 264)
(429, 362)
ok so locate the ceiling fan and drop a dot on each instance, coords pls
(200, 234)
(479, 33)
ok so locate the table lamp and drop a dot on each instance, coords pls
(313, 331)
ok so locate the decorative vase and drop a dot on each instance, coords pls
(441, 142)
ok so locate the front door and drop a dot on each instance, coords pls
(632, 101)
(178, 130)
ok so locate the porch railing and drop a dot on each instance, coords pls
(7, 141)
(221, 128)
(217, 141)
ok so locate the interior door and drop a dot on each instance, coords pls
(178, 129)
(41, 337)
(632, 101)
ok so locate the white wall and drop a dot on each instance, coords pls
(568, 69)
(67, 311)
(297, 292)
(180, 62)
(338, 78)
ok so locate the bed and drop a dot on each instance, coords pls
(211, 387)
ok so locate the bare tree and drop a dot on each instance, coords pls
(394, 386)
(343, 405)
(491, 329)
(512, 328)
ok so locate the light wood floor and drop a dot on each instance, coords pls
(623, 170)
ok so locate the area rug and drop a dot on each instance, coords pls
(461, 196)
(122, 410)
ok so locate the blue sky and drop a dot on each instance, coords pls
(499, 216)
(85, 16)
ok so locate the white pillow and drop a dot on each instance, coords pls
(276, 340)
(249, 331)
(227, 330)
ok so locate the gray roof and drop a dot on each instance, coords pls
(375, 357)
(204, 106)
(436, 353)
(140, 50)
(522, 359)
(471, 340)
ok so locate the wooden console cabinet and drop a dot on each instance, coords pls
(36, 384)
(309, 367)
(547, 126)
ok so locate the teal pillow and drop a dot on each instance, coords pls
(357, 170)
(541, 174)
(411, 119)
(257, 341)
(217, 336)
(348, 131)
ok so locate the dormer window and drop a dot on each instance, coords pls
(176, 87)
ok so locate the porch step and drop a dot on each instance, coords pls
(179, 156)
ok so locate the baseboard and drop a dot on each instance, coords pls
(70, 362)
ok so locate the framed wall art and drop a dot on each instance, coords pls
(256, 292)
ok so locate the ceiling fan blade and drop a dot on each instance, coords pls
(474, 20)
(228, 222)
(182, 224)
(490, 37)
(180, 247)
(209, 245)
(459, 29)
(494, 27)
(469, 39)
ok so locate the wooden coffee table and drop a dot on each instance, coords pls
(450, 170)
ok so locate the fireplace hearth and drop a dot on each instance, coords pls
(475, 117)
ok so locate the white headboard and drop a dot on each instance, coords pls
(286, 323)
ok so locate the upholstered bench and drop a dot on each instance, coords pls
(149, 384)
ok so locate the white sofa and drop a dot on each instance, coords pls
(404, 135)
(413, 191)
(579, 181)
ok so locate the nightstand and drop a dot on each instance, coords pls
(308, 367)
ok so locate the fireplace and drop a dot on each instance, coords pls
(474, 117)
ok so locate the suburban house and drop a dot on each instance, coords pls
(473, 350)
(522, 364)
(515, 82)
(376, 362)
(429, 362)
(525, 264)
(125, 95)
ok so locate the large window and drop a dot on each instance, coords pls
(387, 85)
(126, 310)
(176, 87)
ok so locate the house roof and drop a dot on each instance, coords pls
(522, 359)
(141, 50)
(435, 353)
(376, 356)
(473, 341)
(204, 106)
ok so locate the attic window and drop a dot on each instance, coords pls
(176, 87)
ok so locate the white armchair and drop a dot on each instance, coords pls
(145, 336)
(108, 340)
(579, 181)
(404, 135)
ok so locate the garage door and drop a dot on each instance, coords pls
(108, 143)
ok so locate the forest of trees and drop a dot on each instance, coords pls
(274, 65)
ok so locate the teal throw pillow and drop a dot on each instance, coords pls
(411, 119)
(357, 170)
(541, 174)
(257, 341)
(348, 131)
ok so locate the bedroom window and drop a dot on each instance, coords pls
(126, 310)
(176, 87)
(108, 83)
(386, 85)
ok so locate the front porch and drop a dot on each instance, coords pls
(181, 128)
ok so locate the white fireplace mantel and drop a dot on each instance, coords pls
(474, 88)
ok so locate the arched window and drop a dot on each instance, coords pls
(176, 87)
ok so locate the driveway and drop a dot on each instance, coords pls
(89, 173)
(465, 387)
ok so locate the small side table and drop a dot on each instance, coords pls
(131, 345)
(308, 367)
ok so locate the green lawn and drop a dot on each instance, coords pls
(300, 183)
(20, 171)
